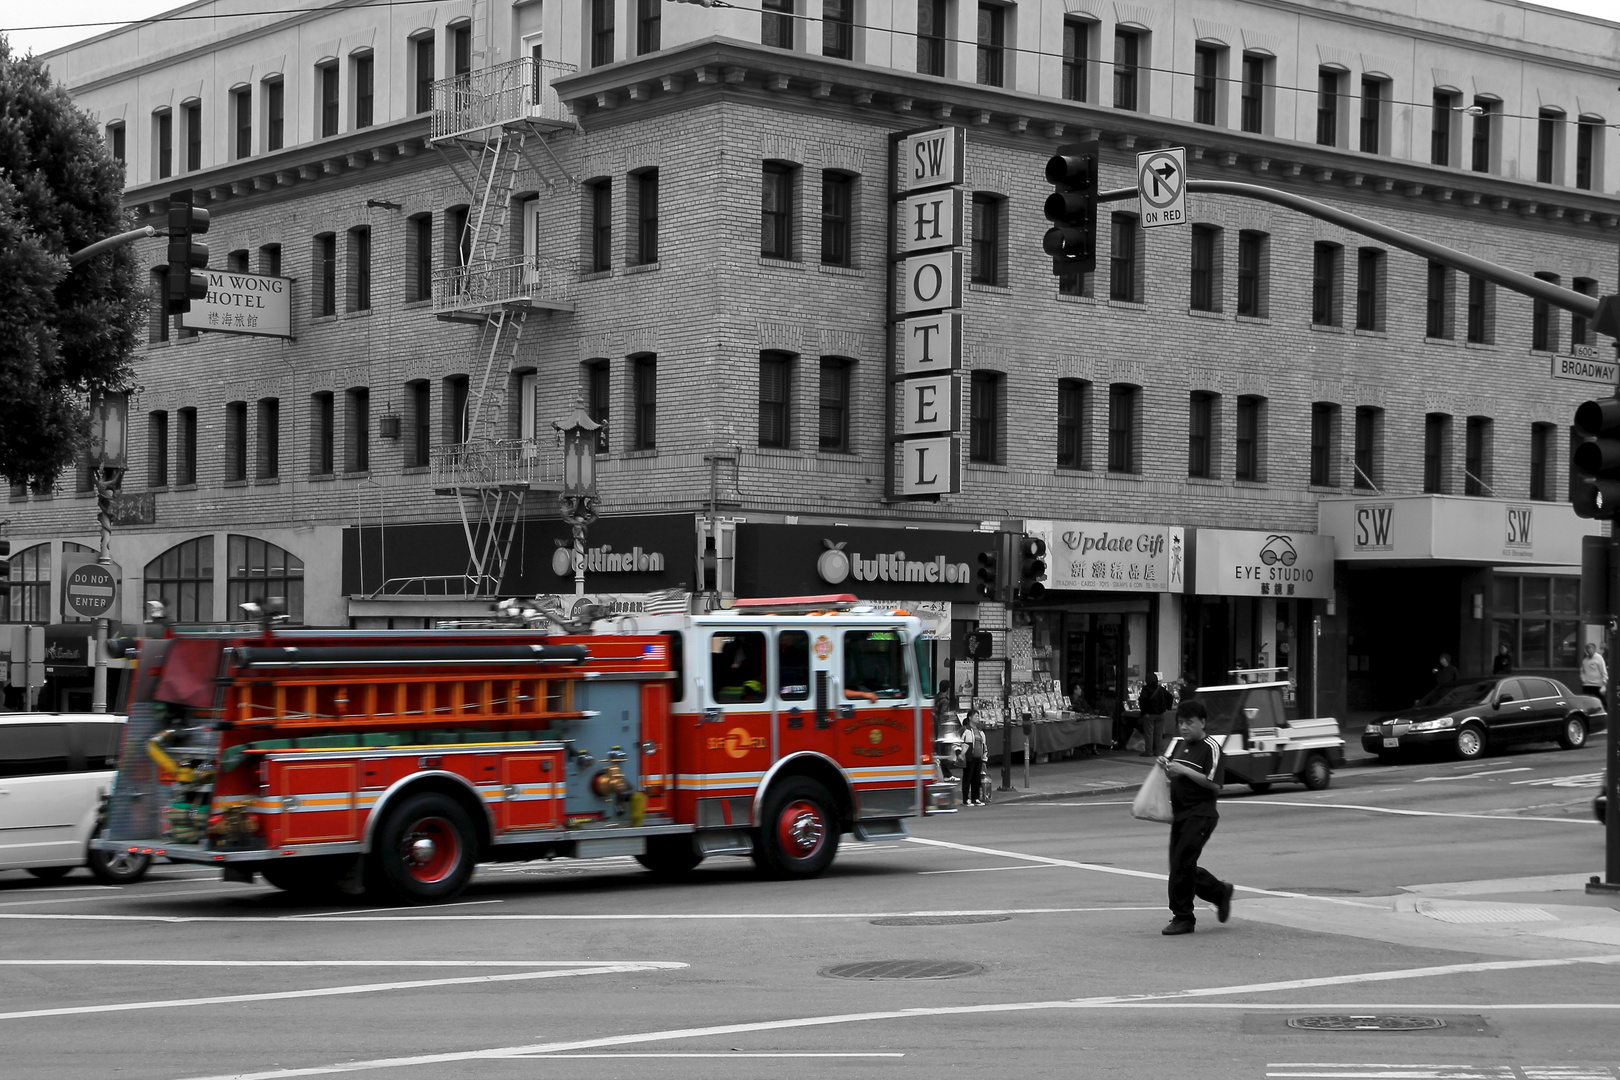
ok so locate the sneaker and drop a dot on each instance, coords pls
(1223, 906)
(1178, 926)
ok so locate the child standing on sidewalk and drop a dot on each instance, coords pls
(973, 766)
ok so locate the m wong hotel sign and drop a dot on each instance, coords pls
(254, 304)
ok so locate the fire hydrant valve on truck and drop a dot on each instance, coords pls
(394, 761)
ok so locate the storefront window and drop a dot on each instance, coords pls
(30, 600)
(260, 570)
(1535, 617)
(183, 578)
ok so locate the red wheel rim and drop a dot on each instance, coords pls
(801, 829)
(430, 849)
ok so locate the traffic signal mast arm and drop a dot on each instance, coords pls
(1604, 312)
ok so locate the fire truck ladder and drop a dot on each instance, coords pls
(483, 125)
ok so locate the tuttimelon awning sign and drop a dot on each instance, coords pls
(256, 304)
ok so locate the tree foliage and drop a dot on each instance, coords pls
(62, 334)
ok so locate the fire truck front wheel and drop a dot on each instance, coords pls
(425, 850)
(798, 836)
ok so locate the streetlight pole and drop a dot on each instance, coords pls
(109, 420)
(579, 495)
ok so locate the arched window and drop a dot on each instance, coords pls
(259, 570)
(30, 600)
(183, 578)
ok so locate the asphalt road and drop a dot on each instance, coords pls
(1418, 894)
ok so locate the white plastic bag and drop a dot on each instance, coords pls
(1152, 802)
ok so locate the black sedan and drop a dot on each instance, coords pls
(1471, 716)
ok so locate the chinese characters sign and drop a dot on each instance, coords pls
(1095, 556)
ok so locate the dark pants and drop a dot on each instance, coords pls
(1597, 692)
(1187, 839)
(973, 779)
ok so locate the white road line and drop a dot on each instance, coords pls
(103, 896)
(984, 869)
(365, 911)
(337, 991)
(644, 916)
(1407, 813)
(732, 1054)
(1470, 776)
(1177, 999)
(101, 962)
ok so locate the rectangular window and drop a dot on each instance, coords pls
(1436, 434)
(422, 49)
(1366, 447)
(1127, 51)
(193, 118)
(236, 428)
(931, 28)
(1327, 107)
(646, 390)
(1586, 133)
(1372, 106)
(1076, 44)
(165, 144)
(1073, 400)
(1541, 441)
(1251, 274)
(270, 260)
(357, 421)
(461, 48)
(269, 438)
(601, 192)
(1206, 64)
(1543, 324)
(776, 23)
(649, 26)
(838, 29)
(326, 274)
(775, 396)
(327, 78)
(834, 405)
(360, 268)
(1122, 283)
(984, 434)
(1254, 94)
(157, 449)
(157, 310)
(599, 399)
(601, 31)
(243, 103)
(420, 394)
(1122, 428)
(647, 216)
(1437, 322)
(1476, 454)
(457, 396)
(364, 70)
(419, 237)
(1369, 289)
(1440, 130)
(1480, 157)
(115, 142)
(835, 217)
(1202, 297)
(1579, 328)
(776, 211)
(323, 436)
(1324, 428)
(986, 252)
(1250, 413)
(185, 471)
(992, 40)
(1548, 123)
(275, 114)
(1200, 434)
(1478, 311)
(1325, 284)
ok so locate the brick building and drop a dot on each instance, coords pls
(1257, 441)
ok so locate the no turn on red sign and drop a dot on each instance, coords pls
(1161, 186)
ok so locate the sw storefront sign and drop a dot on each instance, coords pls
(1240, 562)
(871, 563)
(1454, 528)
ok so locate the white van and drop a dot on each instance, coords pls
(55, 771)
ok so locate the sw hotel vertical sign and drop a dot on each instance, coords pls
(928, 229)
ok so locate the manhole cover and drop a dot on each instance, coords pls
(938, 920)
(1337, 1022)
(902, 969)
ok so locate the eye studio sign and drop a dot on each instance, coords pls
(927, 215)
(254, 304)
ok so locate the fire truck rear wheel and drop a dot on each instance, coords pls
(798, 836)
(425, 850)
(670, 857)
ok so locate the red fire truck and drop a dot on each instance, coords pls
(391, 762)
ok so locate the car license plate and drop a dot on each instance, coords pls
(1392, 742)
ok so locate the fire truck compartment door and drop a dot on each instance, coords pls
(610, 738)
(317, 800)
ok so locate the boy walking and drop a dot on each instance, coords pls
(1194, 769)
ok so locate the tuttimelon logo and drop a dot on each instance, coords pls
(604, 560)
(837, 566)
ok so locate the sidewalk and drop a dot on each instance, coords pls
(1118, 772)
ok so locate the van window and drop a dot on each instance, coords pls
(793, 664)
(875, 663)
(737, 662)
(99, 744)
(33, 749)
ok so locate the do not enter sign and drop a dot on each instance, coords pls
(89, 590)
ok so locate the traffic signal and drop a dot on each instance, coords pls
(1072, 208)
(980, 645)
(185, 255)
(1595, 461)
(5, 574)
(990, 574)
(1031, 556)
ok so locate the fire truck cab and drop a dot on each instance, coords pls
(391, 762)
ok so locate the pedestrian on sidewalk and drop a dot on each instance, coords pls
(1595, 674)
(944, 709)
(973, 764)
(1155, 702)
(1445, 672)
(1194, 769)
